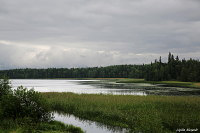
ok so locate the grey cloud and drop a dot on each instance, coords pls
(12, 56)
(147, 27)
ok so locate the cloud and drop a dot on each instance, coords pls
(21, 56)
(47, 33)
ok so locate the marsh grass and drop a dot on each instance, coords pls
(164, 83)
(24, 126)
(154, 114)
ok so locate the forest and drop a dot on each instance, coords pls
(173, 69)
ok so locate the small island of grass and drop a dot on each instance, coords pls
(164, 83)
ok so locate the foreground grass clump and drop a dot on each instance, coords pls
(26, 111)
(155, 114)
(26, 126)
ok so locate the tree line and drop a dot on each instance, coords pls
(174, 69)
(117, 71)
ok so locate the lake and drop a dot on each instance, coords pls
(100, 87)
(97, 87)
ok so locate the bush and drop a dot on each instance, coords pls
(26, 111)
(5, 88)
(23, 103)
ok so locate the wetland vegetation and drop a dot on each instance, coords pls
(137, 113)
(162, 83)
(149, 113)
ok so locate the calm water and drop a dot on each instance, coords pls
(101, 87)
(75, 86)
(86, 125)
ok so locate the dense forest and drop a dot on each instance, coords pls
(174, 69)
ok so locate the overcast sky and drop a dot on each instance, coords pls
(83, 33)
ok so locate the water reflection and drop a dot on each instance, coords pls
(102, 87)
(75, 86)
(87, 125)
(145, 88)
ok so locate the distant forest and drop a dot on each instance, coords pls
(174, 69)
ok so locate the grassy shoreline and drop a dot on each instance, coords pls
(164, 83)
(138, 113)
(24, 126)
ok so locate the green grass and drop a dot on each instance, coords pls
(165, 83)
(23, 126)
(154, 114)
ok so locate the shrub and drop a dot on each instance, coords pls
(23, 103)
(5, 87)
